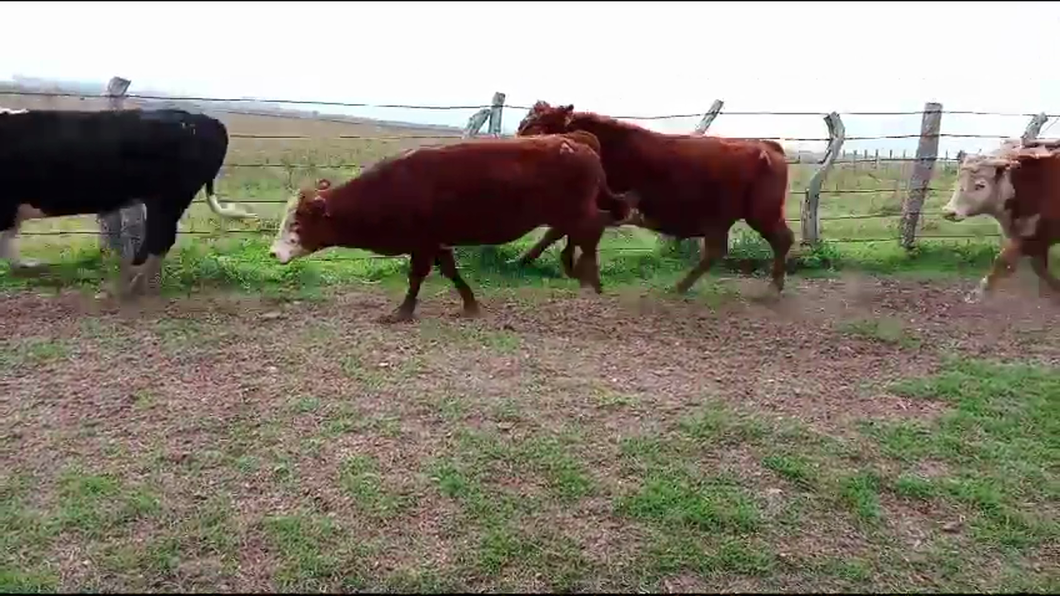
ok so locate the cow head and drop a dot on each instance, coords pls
(303, 228)
(545, 119)
(983, 187)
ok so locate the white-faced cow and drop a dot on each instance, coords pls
(1019, 186)
(57, 163)
(480, 191)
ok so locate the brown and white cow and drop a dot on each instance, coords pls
(482, 191)
(683, 185)
(1019, 186)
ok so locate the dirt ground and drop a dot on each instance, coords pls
(145, 396)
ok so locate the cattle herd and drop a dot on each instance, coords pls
(576, 173)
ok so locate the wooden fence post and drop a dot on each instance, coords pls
(475, 122)
(926, 154)
(708, 118)
(121, 230)
(496, 111)
(811, 220)
(1034, 127)
(491, 114)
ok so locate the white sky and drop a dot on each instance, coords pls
(620, 58)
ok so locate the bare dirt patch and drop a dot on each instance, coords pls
(313, 409)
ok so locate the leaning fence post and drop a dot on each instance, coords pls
(496, 111)
(810, 216)
(121, 230)
(926, 154)
(475, 122)
(708, 118)
(1034, 127)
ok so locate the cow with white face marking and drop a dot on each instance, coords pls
(56, 163)
(424, 203)
(1019, 186)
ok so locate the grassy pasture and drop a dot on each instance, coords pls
(258, 431)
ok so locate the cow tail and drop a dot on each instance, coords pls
(606, 200)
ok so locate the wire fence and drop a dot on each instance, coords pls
(843, 160)
(346, 104)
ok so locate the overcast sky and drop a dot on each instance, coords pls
(621, 58)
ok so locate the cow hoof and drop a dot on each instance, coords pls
(974, 297)
(397, 316)
(473, 312)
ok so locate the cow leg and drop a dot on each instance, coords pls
(1004, 264)
(587, 269)
(1040, 265)
(9, 246)
(10, 224)
(550, 237)
(780, 239)
(714, 245)
(161, 235)
(566, 259)
(419, 268)
(446, 264)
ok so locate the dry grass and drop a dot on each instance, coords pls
(573, 443)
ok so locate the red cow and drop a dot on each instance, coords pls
(1019, 186)
(683, 185)
(585, 138)
(475, 192)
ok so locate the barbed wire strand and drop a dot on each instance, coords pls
(346, 104)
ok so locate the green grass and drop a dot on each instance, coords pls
(719, 493)
(242, 263)
(998, 443)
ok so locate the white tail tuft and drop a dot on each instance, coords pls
(229, 210)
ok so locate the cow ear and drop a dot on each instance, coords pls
(318, 206)
(568, 113)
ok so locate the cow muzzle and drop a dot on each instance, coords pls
(281, 254)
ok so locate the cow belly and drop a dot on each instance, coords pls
(27, 212)
(404, 238)
(690, 216)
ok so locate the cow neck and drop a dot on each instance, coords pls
(621, 146)
(349, 217)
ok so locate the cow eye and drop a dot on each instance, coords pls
(980, 185)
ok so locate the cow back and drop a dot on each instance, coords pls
(1036, 186)
(475, 192)
(687, 182)
(68, 157)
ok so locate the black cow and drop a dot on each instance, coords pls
(69, 162)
